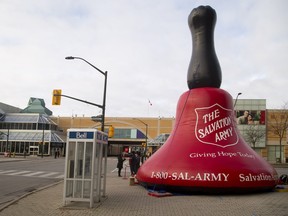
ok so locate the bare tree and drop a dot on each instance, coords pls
(279, 124)
(254, 134)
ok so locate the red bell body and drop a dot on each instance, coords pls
(205, 151)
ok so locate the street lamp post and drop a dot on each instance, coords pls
(237, 98)
(105, 87)
(146, 132)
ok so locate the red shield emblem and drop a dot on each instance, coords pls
(215, 125)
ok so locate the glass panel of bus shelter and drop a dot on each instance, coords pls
(71, 160)
(98, 156)
(70, 169)
(87, 188)
(79, 158)
(88, 160)
(78, 185)
(69, 188)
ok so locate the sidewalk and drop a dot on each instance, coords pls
(123, 199)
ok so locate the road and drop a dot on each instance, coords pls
(18, 177)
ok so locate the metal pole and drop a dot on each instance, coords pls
(104, 102)
(237, 98)
(8, 142)
(146, 132)
(105, 87)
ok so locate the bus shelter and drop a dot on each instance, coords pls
(85, 166)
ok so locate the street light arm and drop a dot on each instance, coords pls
(73, 57)
(237, 98)
(141, 121)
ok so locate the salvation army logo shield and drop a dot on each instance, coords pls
(215, 126)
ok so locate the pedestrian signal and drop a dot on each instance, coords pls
(56, 98)
(111, 131)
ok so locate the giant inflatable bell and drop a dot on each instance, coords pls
(205, 151)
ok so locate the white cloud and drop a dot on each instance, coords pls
(144, 45)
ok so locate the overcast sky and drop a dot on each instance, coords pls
(146, 48)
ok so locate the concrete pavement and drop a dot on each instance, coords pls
(124, 199)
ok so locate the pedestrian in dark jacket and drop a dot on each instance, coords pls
(120, 164)
(133, 164)
(137, 162)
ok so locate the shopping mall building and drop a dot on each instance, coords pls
(35, 131)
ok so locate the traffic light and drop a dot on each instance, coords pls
(56, 98)
(111, 131)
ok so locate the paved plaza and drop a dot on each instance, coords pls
(125, 199)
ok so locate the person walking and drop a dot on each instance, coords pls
(55, 153)
(137, 162)
(133, 164)
(121, 159)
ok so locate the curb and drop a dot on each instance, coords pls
(16, 159)
(12, 160)
(29, 193)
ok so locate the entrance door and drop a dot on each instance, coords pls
(34, 150)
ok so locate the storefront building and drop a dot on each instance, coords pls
(129, 133)
(277, 135)
(30, 134)
(36, 133)
(29, 131)
(251, 122)
(256, 124)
